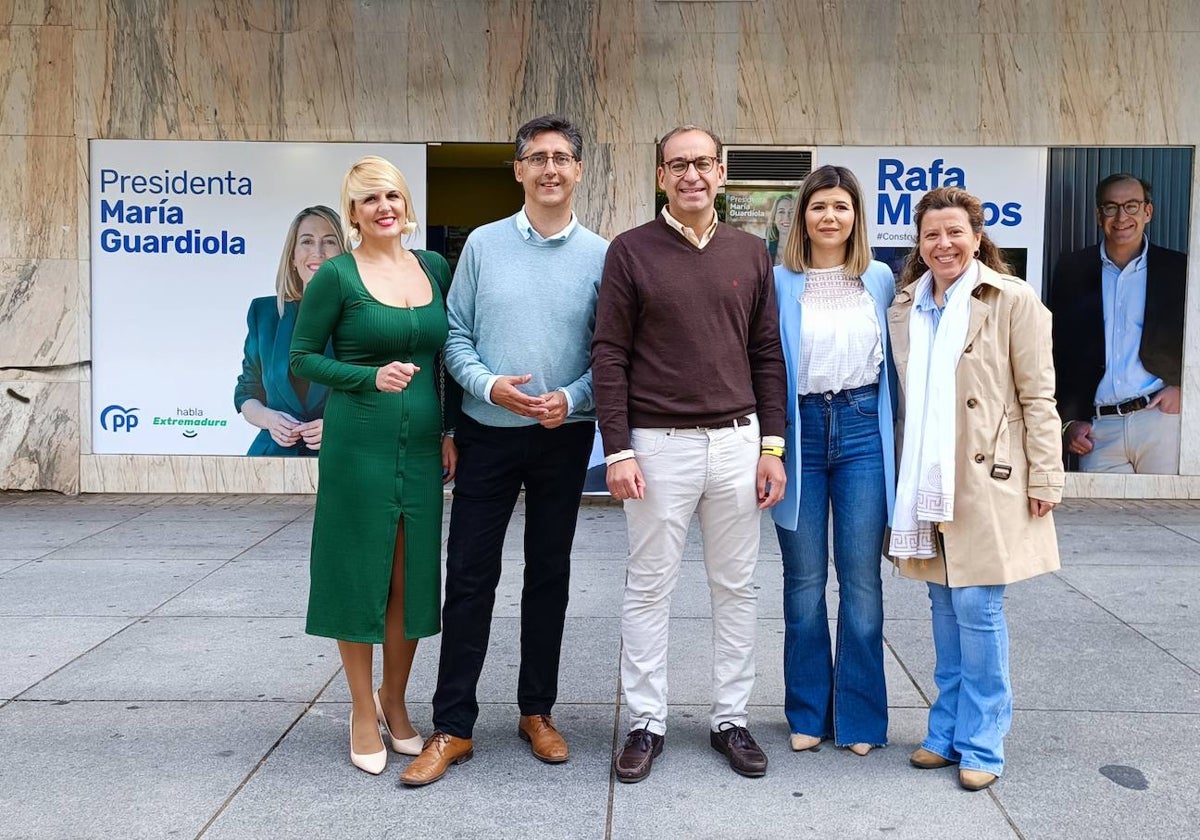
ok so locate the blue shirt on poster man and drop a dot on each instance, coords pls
(1124, 295)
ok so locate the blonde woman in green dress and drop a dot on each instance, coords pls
(376, 546)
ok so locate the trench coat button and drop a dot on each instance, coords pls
(968, 348)
(978, 458)
(971, 403)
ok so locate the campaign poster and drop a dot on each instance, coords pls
(763, 212)
(184, 235)
(1010, 181)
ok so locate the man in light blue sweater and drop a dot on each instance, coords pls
(522, 310)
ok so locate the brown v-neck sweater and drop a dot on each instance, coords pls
(686, 336)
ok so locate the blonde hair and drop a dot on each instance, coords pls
(288, 285)
(797, 255)
(368, 176)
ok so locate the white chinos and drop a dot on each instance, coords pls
(711, 472)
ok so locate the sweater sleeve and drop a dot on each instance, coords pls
(320, 310)
(462, 356)
(765, 353)
(612, 346)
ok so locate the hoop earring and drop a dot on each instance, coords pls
(976, 253)
(920, 261)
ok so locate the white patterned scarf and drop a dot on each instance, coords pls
(925, 488)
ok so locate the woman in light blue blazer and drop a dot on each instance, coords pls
(833, 301)
(287, 409)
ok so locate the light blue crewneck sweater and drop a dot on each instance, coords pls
(520, 306)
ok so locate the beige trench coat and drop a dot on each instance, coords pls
(1006, 417)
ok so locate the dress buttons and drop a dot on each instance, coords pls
(971, 403)
(978, 458)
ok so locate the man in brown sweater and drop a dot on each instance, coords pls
(690, 391)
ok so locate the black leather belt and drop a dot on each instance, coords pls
(727, 424)
(1127, 407)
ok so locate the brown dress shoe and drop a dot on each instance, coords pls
(544, 739)
(738, 745)
(975, 779)
(924, 759)
(633, 762)
(440, 751)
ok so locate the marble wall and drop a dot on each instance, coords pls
(933, 72)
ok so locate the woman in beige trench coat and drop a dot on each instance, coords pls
(980, 467)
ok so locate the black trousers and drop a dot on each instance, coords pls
(493, 464)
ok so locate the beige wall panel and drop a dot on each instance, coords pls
(232, 84)
(939, 82)
(39, 312)
(36, 12)
(617, 191)
(114, 474)
(130, 82)
(35, 80)
(37, 197)
(318, 86)
(214, 15)
(211, 474)
(39, 436)
(299, 475)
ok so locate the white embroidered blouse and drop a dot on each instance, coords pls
(841, 344)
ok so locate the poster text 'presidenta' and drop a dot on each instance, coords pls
(128, 200)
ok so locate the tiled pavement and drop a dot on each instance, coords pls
(155, 681)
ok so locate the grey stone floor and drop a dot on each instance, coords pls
(156, 681)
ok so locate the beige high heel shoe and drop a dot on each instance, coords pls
(373, 763)
(405, 746)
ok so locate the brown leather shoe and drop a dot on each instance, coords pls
(924, 759)
(975, 779)
(440, 751)
(633, 762)
(738, 745)
(544, 739)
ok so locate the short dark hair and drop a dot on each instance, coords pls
(681, 129)
(1118, 177)
(550, 122)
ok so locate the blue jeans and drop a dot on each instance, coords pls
(973, 710)
(841, 464)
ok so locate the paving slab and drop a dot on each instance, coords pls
(65, 586)
(1084, 667)
(1164, 594)
(308, 788)
(28, 540)
(33, 647)
(77, 771)
(587, 673)
(242, 659)
(818, 794)
(246, 588)
(1096, 775)
(9, 565)
(1126, 545)
(192, 540)
(231, 510)
(293, 541)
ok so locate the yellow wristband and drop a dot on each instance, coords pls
(777, 451)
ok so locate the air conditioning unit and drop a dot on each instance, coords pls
(767, 166)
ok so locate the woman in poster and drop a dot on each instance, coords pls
(287, 409)
(779, 225)
(833, 301)
(376, 545)
(980, 468)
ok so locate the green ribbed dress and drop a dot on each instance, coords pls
(380, 456)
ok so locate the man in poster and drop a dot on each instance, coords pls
(1118, 339)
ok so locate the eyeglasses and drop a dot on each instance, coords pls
(678, 166)
(1131, 208)
(538, 160)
